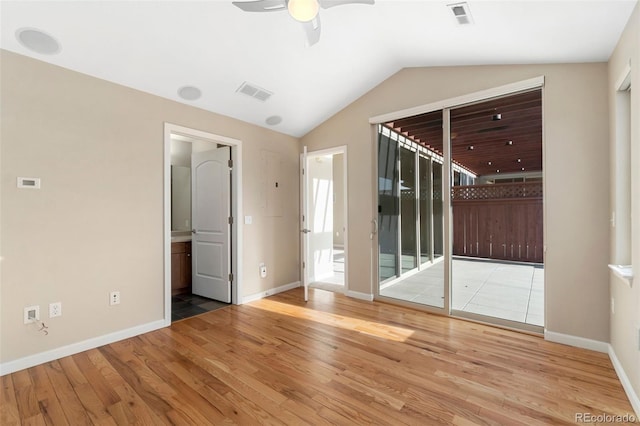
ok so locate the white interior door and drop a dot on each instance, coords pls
(210, 197)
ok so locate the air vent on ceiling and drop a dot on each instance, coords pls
(254, 91)
(461, 12)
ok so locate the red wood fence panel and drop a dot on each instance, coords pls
(501, 221)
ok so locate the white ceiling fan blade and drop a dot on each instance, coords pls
(312, 30)
(261, 5)
(325, 4)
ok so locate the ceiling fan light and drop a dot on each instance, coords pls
(303, 10)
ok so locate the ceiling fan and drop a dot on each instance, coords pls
(304, 11)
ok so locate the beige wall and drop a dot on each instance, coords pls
(576, 167)
(625, 322)
(97, 223)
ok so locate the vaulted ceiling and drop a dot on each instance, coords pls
(161, 46)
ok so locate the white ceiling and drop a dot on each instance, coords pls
(158, 47)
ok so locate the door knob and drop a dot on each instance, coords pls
(305, 231)
(193, 231)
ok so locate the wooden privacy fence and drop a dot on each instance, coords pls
(500, 221)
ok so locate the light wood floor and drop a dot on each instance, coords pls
(333, 360)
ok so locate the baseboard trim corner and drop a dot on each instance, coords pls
(626, 383)
(358, 295)
(74, 348)
(271, 292)
(578, 342)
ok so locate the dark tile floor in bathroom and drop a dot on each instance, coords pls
(187, 305)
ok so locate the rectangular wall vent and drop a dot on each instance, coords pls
(254, 91)
(461, 12)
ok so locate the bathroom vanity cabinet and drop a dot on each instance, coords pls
(180, 267)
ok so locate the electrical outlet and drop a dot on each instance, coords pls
(31, 314)
(55, 309)
(114, 298)
(263, 270)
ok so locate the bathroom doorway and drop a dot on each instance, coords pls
(202, 243)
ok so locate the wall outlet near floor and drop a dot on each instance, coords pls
(114, 298)
(55, 309)
(31, 314)
(263, 270)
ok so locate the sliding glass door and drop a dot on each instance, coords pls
(469, 242)
(410, 217)
(497, 240)
(388, 208)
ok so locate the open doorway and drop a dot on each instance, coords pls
(325, 213)
(497, 210)
(202, 193)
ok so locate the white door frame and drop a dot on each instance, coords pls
(236, 209)
(342, 149)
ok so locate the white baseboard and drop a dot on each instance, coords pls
(271, 292)
(578, 342)
(626, 383)
(74, 348)
(358, 295)
(603, 347)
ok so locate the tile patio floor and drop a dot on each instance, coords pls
(502, 290)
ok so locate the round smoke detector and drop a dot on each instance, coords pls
(189, 93)
(37, 41)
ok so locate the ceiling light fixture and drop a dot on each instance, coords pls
(38, 41)
(509, 142)
(519, 160)
(496, 117)
(489, 162)
(470, 147)
(303, 10)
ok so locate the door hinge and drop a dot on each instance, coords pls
(303, 170)
(231, 277)
(304, 265)
(230, 220)
(231, 164)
